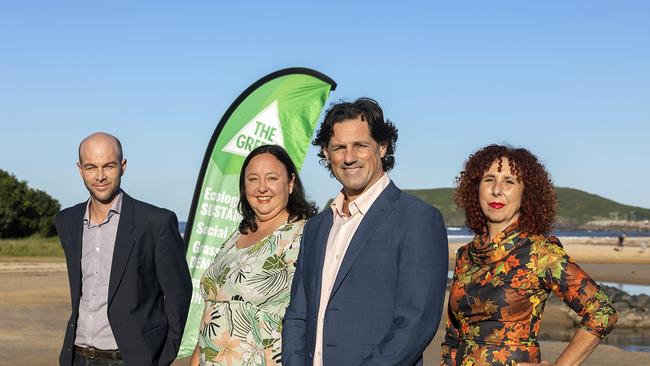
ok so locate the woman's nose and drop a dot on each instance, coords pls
(262, 187)
(497, 189)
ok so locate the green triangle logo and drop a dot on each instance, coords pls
(264, 128)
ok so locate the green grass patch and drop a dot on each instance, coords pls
(33, 260)
(33, 246)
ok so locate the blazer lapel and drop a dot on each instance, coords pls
(123, 245)
(382, 206)
(321, 245)
(76, 236)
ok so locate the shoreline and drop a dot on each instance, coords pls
(591, 250)
(35, 307)
(595, 255)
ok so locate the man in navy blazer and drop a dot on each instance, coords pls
(130, 286)
(372, 270)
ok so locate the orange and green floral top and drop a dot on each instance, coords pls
(498, 293)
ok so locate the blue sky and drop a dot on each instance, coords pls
(568, 80)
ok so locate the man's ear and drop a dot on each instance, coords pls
(383, 147)
(326, 153)
(123, 167)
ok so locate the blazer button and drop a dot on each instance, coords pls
(72, 325)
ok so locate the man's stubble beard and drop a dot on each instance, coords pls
(110, 195)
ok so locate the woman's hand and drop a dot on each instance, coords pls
(194, 361)
(543, 363)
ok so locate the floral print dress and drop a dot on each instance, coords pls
(498, 293)
(246, 292)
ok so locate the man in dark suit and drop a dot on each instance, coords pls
(130, 286)
(372, 269)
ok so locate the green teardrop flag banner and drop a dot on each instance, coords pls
(282, 108)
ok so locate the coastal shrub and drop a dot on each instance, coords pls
(25, 211)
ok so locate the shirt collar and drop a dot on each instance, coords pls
(361, 204)
(115, 209)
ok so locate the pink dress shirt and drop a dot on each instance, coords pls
(343, 229)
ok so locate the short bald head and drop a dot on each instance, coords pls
(101, 165)
(103, 140)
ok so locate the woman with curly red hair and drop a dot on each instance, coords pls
(504, 276)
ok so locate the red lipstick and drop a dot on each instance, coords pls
(496, 205)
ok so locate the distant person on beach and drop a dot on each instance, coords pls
(621, 242)
(504, 276)
(129, 282)
(372, 270)
(246, 288)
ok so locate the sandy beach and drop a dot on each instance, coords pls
(591, 250)
(35, 305)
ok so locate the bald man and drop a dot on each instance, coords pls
(129, 283)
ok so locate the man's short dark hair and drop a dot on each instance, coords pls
(381, 130)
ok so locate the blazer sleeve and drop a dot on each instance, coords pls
(294, 323)
(421, 284)
(176, 283)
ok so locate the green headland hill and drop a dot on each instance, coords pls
(578, 210)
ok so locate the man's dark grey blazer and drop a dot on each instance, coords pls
(149, 288)
(387, 299)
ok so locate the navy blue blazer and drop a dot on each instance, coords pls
(387, 298)
(149, 287)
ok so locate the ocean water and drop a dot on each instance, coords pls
(464, 233)
(627, 339)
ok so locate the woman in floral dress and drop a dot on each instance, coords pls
(246, 288)
(504, 276)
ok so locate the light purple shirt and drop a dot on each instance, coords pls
(98, 243)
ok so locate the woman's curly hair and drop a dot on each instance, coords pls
(538, 202)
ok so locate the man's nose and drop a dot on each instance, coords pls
(350, 156)
(101, 175)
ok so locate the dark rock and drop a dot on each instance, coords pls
(621, 306)
(633, 310)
